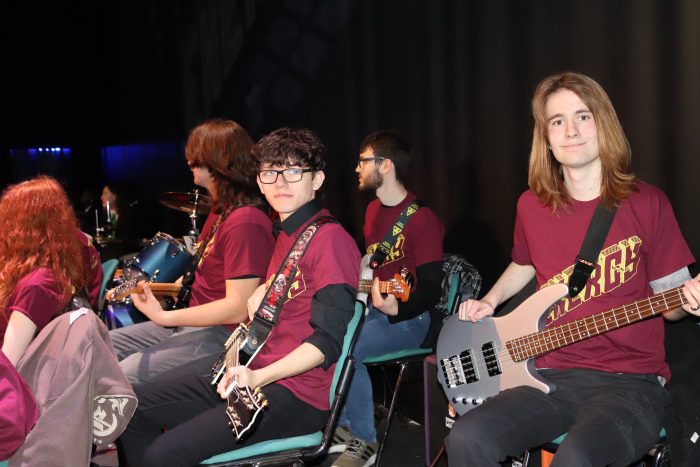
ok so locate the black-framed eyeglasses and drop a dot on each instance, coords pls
(362, 160)
(292, 175)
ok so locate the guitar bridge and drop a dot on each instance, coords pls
(459, 369)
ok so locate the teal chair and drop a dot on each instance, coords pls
(109, 267)
(299, 449)
(463, 282)
(657, 456)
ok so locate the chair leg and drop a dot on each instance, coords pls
(392, 407)
(426, 414)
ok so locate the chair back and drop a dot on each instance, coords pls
(342, 376)
(108, 269)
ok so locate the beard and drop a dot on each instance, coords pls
(373, 181)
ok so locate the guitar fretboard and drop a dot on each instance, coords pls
(385, 287)
(131, 285)
(533, 345)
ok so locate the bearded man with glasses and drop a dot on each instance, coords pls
(389, 325)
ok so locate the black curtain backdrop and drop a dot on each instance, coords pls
(456, 76)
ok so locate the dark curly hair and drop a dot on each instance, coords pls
(290, 146)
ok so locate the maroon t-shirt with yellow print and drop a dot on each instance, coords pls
(644, 244)
(419, 243)
(331, 258)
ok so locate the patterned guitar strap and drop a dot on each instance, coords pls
(268, 312)
(183, 297)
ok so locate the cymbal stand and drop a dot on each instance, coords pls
(98, 230)
(194, 231)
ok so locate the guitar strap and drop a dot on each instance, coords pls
(188, 277)
(384, 247)
(590, 249)
(268, 312)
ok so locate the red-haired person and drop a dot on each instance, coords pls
(42, 260)
(234, 249)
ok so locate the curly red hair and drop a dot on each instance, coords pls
(39, 229)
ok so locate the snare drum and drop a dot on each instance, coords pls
(122, 313)
(164, 259)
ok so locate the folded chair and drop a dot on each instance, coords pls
(461, 282)
(299, 449)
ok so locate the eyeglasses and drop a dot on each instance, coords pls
(361, 160)
(292, 175)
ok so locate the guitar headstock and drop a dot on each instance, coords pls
(243, 407)
(400, 285)
(122, 291)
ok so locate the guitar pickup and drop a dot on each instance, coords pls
(493, 366)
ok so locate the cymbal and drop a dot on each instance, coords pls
(185, 202)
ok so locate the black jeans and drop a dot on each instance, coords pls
(196, 424)
(611, 419)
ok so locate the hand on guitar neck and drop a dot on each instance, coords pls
(136, 286)
(143, 295)
(243, 403)
(384, 293)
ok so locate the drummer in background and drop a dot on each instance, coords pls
(234, 249)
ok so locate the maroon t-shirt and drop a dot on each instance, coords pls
(644, 244)
(419, 243)
(241, 246)
(35, 296)
(331, 258)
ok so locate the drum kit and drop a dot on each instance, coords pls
(163, 259)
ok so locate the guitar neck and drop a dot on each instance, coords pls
(533, 345)
(132, 286)
(365, 286)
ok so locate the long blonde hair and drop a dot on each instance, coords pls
(545, 174)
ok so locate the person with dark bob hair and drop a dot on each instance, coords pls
(232, 255)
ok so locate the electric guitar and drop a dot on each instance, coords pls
(478, 360)
(243, 405)
(399, 286)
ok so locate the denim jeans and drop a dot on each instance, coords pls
(377, 336)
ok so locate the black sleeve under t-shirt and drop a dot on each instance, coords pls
(332, 308)
(426, 295)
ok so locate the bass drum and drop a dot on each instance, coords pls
(122, 313)
(164, 259)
